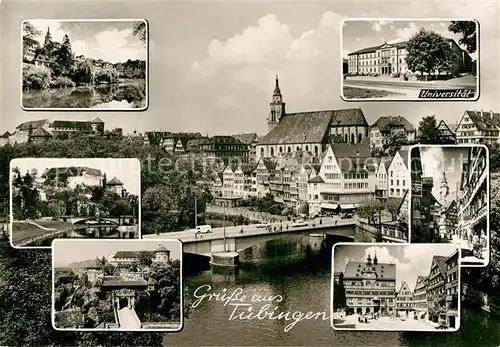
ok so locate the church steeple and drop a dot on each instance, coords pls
(443, 188)
(277, 106)
(375, 260)
(48, 37)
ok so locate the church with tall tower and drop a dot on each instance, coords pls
(309, 132)
(277, 107)
(48, 38)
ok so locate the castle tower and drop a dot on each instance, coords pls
(277, 107)
(48, 38)
(97, 126)
(444, 189)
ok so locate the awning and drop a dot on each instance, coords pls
(347, 206)
(329, 206)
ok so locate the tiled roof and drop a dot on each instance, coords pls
(247, 168)
(384, 271)
(311, 127)
(80, 125)
(404, 286)
(404, 155)
(162, 248)
(484, 120)
(5, 135)
(125, 254)
(441, 263)
(71, 171)
(420, 278)
(316, 179)
(246, 138)
(97, 120)
(373, 49)
(114, 182)
(34, 124)
(385, 123)
(41, 132)
(117, 281)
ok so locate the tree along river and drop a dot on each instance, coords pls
(122, 95)
(302, 279)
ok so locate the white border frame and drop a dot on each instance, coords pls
(97, 160)
(145, 330)
(385, 244)
(478, 40)
(488, 231)
(146, 106)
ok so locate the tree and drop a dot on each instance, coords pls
(397, 140)
(26, 297)
(140, 31)
(108, 269)
(145, 258)
(429, 52)
(377, 153)
(84, 73)
(119, 208)
(64, 57)
(468, 29)
(392, 205)
(371, 210)
(428, 132)
(26, 198)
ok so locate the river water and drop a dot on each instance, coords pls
(288, 270)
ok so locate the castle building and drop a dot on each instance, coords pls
(308, 132)
(370, 286)
(74, 176)
(115, 185)
(94, 270)
(162, 255)
(390, 59)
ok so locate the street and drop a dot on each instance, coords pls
(253, 229)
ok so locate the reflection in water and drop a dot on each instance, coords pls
(286, 269)
(126, 94)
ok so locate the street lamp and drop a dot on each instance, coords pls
(224, 223)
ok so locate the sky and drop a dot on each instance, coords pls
(126, 170)
(65, 252)
(111, 41)
(212, 64)
(362, 34)
(412, 260)
(436, 160)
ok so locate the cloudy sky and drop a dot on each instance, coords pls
(126, 170)
(362, 34)
(66, 252)
(436, 160)
(411, 260)
(212, 64)
(111, 41)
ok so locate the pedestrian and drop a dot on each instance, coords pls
(287, 227)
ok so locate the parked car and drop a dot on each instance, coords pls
(300, 223)
(204, 229)
(263, 225)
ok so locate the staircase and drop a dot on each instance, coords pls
(127, 319)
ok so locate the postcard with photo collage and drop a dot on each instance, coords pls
(250, 174)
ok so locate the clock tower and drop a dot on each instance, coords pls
(277, 107)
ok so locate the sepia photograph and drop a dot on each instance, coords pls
(384, 287)
(74, 198)
(84, 64)
(124, 285)
(449, 198)
(403, 59)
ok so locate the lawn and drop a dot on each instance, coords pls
(365, 93)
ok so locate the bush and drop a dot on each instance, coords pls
(62, 81)
(36, 77)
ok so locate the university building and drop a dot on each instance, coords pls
(309, 132)
(390, 59)
(370, 287)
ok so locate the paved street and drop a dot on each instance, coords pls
(386, 323)
(408, 89)
(254, 229)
